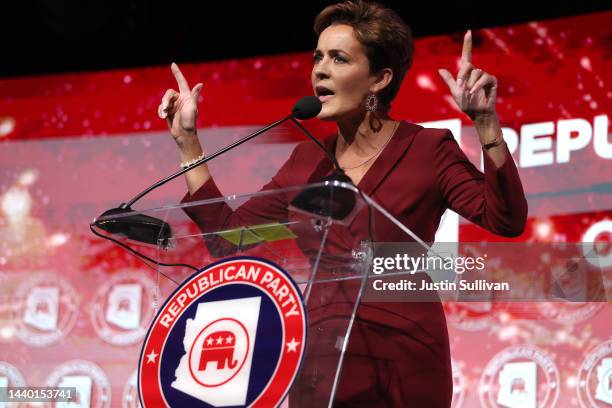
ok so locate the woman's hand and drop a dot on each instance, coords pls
(474, 90)
(181, 109)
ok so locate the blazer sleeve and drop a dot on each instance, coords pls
(494, 200)
(220, 216)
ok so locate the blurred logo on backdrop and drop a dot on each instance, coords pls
(123, 308)
(569, 312)
(520, 377)
(130, 392)
(594, 385)
(44, 309)
(92, 385)
(459, 385)
(10, 377)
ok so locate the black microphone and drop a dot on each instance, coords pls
(151, 230)
(307, 108)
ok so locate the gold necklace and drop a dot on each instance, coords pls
(377, 151)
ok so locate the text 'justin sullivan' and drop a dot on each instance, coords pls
(445, 285)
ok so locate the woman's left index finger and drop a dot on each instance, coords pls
(466, 53)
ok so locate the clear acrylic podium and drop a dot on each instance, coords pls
(328, 259)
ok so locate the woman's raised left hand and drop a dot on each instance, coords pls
(474, 90)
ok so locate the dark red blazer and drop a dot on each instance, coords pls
(398, 353)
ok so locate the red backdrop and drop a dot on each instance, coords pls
(74, 145)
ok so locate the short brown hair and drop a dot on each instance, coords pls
(386, 38)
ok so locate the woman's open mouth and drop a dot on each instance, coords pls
(324, 94)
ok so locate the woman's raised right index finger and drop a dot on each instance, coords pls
(180, 79)
(466, 52)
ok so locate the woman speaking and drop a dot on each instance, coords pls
(364, 51)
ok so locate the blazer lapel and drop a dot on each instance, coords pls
(389, 157)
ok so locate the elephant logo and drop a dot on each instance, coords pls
(218, 348)
(42, 308)
(518, 385)
(124, 304)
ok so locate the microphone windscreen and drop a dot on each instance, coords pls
(307, 107)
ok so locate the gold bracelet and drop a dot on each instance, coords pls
(186, 164)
